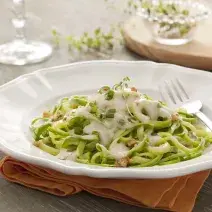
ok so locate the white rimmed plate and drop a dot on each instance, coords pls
(25, 97)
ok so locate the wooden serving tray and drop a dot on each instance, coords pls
(196, 54)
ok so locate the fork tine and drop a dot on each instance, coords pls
(165, 96)
(162, 94)
(170, 92)
(182, 88)
(177, 91)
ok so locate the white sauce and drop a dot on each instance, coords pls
(118, 150)
(57, 123)
(72, 156)
(118, 102)
(165, 112)
(121, 102)
(143, 118)
(83, 111)
(105, 134)
(154, 139)
(65, 155)
(150, 106)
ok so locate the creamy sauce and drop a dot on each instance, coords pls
(122, 101)
(57, 123)
(154, 139)
(118, 150)
(82, 111)
(105, 134)
(72, 155)
(152, 109)
(136, 109)
(165, 112)
(65, 155)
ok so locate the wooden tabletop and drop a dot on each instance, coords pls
(69, 17)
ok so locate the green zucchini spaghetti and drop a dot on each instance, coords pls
(119, 127)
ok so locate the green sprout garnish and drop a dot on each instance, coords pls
(92, 41)
(56, 37)
(122, 85)
(109, 95)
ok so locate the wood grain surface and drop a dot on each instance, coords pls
(196, 54)
(68, 16)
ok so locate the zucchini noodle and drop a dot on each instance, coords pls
(119, 127)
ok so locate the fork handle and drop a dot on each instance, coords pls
(204, 119)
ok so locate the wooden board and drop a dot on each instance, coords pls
(196, 54)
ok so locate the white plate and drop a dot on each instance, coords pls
(25, 97)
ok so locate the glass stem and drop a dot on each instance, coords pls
(19, 19)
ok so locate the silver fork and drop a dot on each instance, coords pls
(174, 92)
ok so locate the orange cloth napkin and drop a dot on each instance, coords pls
(175, 194)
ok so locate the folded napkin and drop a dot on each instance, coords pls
(175, 194)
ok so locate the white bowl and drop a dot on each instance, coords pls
(25, 97)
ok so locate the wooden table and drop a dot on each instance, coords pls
(68, 16)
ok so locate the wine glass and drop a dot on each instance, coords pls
(21, 51)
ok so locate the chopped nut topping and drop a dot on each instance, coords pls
(175, 116)
(46, 114)
(74, 106)
(57, 116)
(131, 143)
(134, 89)
(105, 88)
(36, 143)
(123, 162)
